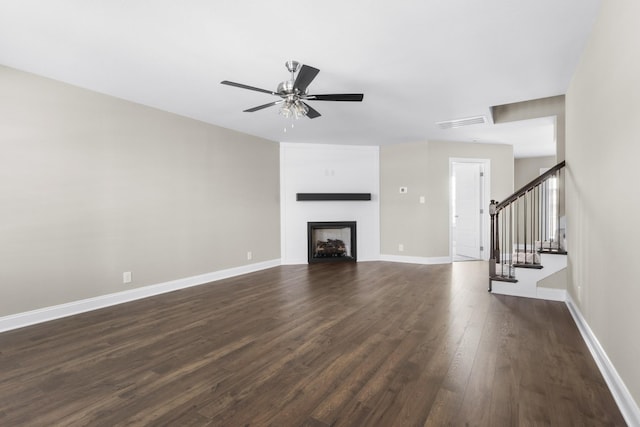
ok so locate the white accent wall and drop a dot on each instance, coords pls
(321, 168)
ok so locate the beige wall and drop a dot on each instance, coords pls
(423, 168)
(535, 108)
(603, 128)
(92, 186)
(403, 220)
(557, 280)
(527, 169)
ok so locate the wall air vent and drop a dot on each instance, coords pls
(450, 124)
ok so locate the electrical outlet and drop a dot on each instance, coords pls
(404, 190)
(249, 255)
(126, 277)
(422, 200)
(401, 247)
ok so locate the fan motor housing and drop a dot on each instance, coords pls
(286, 87)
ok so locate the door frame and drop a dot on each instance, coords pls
(485, 167)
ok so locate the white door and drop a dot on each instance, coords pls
(466, 203)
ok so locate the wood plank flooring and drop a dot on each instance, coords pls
(366, 344)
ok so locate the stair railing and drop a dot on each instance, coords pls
(526, 224)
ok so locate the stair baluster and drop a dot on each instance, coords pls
(537, 207)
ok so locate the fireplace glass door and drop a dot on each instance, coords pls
(332, 241)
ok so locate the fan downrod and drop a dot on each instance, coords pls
(286, 88)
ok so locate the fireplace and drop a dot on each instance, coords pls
(333, 241)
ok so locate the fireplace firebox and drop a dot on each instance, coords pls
(333, 241)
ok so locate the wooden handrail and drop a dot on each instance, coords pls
(529, 186)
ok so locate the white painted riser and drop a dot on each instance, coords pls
(528, 278)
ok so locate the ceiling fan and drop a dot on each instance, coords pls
(294, 92)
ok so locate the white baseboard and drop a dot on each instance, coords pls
(619, 390)
(295, 262)
(415, 259)
(27, 318)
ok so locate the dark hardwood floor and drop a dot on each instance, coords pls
(377, 344)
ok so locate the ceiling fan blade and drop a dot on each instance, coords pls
(260, 107)
(312, 113)
(305, 76)
(357, 97)
(240, 85)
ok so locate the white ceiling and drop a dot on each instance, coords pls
(417, 61)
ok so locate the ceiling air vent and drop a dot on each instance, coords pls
(450, 124)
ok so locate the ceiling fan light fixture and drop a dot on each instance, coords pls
(293, 108)
(299, 109)
(286, 110)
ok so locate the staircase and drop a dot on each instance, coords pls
(528, 256)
